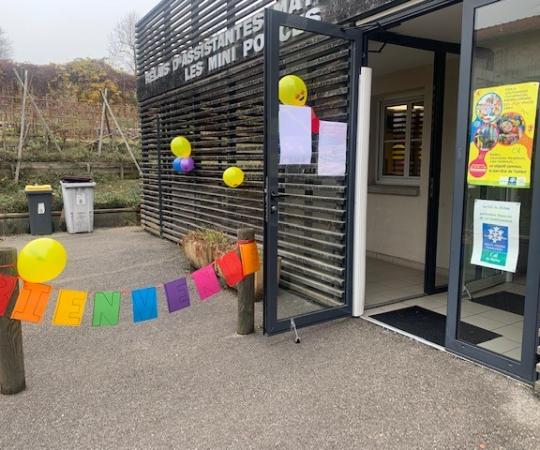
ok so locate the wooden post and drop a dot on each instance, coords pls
(21, 134)
(122, 134)
(103, 112)
(246, 292)
(38, 111)
(12, 380)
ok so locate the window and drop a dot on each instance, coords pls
(400, 149)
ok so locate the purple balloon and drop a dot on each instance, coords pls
(187, 164)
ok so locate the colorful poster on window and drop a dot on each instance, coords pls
(502, 135)
(496, 234)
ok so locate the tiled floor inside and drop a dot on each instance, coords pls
(386, 282)
(403, 282)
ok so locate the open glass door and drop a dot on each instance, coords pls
(494, 275)
(309, 170)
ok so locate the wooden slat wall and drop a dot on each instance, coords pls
(222, 115)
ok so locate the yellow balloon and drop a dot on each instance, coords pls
(41, 260)
(233, 176)
(292, 91)
(181, 147)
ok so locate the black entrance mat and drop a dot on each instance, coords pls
(507, 301)
(430, 325)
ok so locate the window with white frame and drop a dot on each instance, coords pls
(400, 143)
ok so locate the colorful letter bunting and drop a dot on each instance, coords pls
(106, 308)
(32, 301)
(33, 298)
(144, 304)
(7, 286)
(69, 308)
(177, 294)
(250, 257)
(206, 282)
(230, 265)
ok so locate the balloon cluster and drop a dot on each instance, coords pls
(181, 148)
(294, 92)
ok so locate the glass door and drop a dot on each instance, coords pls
(494, 274)
(310, 142)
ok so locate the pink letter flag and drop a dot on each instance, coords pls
(206, 282)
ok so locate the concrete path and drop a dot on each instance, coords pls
(187, 381)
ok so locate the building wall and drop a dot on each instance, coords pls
(396, 224)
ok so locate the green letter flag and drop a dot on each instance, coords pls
(106, 308)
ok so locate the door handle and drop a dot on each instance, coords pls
(274, 194)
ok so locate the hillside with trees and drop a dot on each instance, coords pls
(65, 128)
(79, 80)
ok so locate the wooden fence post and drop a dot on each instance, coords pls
(246, 293)
(21, 134)
(12, 379)
(102, 123)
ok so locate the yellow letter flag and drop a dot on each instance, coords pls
(69, 308)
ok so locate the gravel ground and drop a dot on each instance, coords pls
(187, 381)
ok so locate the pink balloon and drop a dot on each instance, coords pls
(187, 164)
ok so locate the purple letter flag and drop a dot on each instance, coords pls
(177, 294)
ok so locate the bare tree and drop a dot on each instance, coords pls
(122, 43)
(5, 45)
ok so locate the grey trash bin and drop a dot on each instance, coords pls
(78, 199)
(39, 208)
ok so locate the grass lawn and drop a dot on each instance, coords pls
(109, 193)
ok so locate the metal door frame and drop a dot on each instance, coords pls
(524, 369)
(273, 20)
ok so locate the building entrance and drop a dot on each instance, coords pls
(412, 149)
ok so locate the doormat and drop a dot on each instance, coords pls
(431, 325)
(507, 301)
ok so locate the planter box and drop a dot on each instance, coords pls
(199, 253)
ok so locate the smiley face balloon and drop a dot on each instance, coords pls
(292, 91)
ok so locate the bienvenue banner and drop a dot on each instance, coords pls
(33, 298)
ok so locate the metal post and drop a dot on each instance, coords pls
(160, 194)
(12, 379)
(246, 293)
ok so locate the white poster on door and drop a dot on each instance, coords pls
(332, 148)
(294, 134)
(496, 234)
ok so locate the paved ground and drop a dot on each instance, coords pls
(186, 381)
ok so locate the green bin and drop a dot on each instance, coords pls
(39, 208)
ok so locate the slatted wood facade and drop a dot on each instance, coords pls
(222, 115)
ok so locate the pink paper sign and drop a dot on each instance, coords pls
(206, 282)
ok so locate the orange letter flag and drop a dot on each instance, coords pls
(31, 303)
